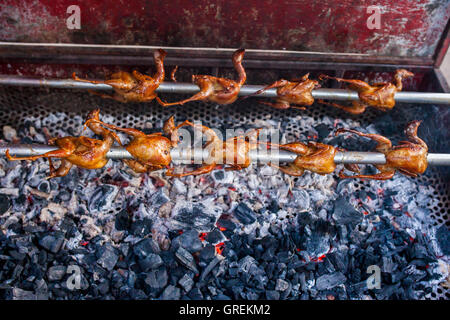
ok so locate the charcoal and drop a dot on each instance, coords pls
(195, 294)
(145, 247)
(123, 220)
(186, 259)
(189, 240)
(107, 257)
(272, 295)
(201, 216)
(141, 228)
(19, 294)
(157, 279)
(102, 197)
(186, 283)
(103, 287)
(159, 198)
(244, 214)
(52, 242)
(152, 261)
(16, 255)
(219, 175)
(329, 281)
(171, 293)
(282, 285)
(207, 253)
(345, 213)
(56, 273)
(443, 238)
(211, 266)
(215, 237)
(300, 199)
(5, 203)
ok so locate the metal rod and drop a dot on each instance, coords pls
(263, 155)
(189, 88)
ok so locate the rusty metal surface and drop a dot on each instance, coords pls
(408, 28)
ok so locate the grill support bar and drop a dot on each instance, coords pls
(189, 88)
(186, 156)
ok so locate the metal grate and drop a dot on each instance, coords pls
(64, 110)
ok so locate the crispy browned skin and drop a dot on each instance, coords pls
(134, 87)
(410, 157)
(296, 93)
(314, 156)
(214, 89)
(150, 151)
(378, 95)
(233, 152)
(81, 151)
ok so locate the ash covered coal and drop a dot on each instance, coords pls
(251, 234)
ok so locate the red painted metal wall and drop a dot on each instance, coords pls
(408, 28)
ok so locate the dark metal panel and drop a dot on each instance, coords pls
(408, 28)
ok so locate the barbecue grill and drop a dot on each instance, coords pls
(36, 90)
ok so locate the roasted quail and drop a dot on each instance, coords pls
(150, 151)
(378, 95)
(134, 87)
(410, 157)
(296, 93)
(214, 89)
(81, 151)
(234, 152)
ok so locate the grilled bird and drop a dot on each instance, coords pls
(410, 157)
(151, 152)
(378, 95)
(220, 90)
(314, 156)
(233, 152)
(134, 87)
(296, 93)
(81, 151)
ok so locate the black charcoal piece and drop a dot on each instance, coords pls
(171, 293)
(201, 216)
(345, 213)
(186, 259)
(443, 238)
(52, 242)
(107, 257)
(145, 247)
(141, 228)
(281, 285)
(272, 295)
(123, 220)
(244, 214)
(215, 237)
(208, 253)
(189, 240)
(329, 281)
(5, 203)
(56, 273)
(186, 283)
(152, 261)
(159, 198)
(157, 279)
(102, 197)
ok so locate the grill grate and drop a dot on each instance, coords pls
(66, 109)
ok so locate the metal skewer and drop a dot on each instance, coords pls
(189, 88)
(186, 156)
